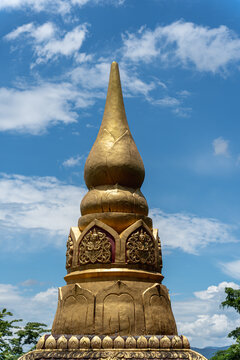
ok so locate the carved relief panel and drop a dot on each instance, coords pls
(119, 310)
(140, 248)
(75, 313)
(140, 245)
(98, 244)
(96, 247)
(101, 244)
(71, 260)
(122, 318)
(159, 318)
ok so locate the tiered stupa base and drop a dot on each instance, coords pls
(114, 261)
(113, 348)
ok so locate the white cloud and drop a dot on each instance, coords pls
(220, 146)
(39, 33)
(166, 102)
(68, 45)
(96, 76)
(140, 46)
(100, 2)
(44, 204)
(90, 126)
(185, 43)
(202, 319)
(33, 109)
(14, 34)
(209, 164)
(28, 283)
(58, 6)
(232, 269)
(45, 297)
(183, 111)
(83, 57)
(189, 232)
(175, 103)
(184, 93)
(72, 161)
(8, 293)
(37, 205)
(134, 85)
(62, 7)
(214, 291)
(40, 307)
(46, 42)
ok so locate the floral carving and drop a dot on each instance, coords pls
(69, 253)
(95, 247)
(140, 248)
(112, 355)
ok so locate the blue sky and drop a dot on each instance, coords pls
(180, 69)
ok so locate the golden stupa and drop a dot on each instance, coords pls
(114, 305)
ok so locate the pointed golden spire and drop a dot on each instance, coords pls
(114, 158)
(114, 170)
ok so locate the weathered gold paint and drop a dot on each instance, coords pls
(114, 170)
(114, 158)
(114, 260)
(120, 295)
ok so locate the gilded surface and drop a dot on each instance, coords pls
(114, 170)
(142, 342)
(41, 343)
(112, 236)
(113, 354)
(159, 318)
(107, 342)
(131, 342)
(73, 342)
(119, 221)
(140, 248)
(113, 341)
(153, 342)
(114, 298)
(85, 342)
(51, 343)
(159, 249)
(75, 312)
(114, 198)
(62, 342)
(114, 158)
(95, 247)
(69, 253)
(118, 310)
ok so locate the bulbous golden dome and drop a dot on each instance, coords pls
(114, 157)
(114, 170)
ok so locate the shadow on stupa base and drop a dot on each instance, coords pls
(75, 347)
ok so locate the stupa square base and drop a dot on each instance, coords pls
(114, 354)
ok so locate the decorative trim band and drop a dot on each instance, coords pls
(85, 342)
(112, 272)
(114, 354)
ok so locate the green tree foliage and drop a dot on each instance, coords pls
(233, 352)
(14, 338)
